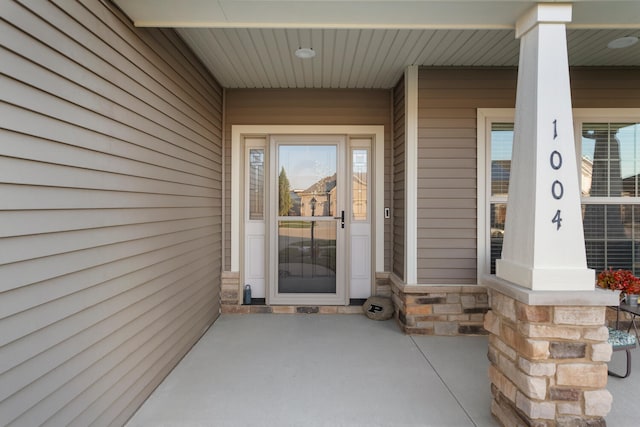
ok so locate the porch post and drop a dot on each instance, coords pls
(548, 341)
(544, 242)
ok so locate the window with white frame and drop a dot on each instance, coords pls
(609, 158)
(501, 142)
(610, 154)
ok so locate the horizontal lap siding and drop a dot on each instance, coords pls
(398, 180)
(448, 99)
(605, 87)
(306, 107)
(111, 210)
(447, 211)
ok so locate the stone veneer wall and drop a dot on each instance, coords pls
(383, 284)
(232, 292)
(440, 310)
(292, 309)
(548, 363)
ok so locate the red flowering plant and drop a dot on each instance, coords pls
(620, 280)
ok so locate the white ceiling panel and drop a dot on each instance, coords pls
(368, 58)
(369, 43)
(589, 48)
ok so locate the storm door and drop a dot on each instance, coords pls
(308, 227)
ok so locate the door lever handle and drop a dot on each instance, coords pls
(341, 218)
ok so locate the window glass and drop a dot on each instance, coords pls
(610, 164)
(609, 170)
(610, 159)
(498, 214)
(360, 183)
(256, 184)
(501, 143)
(307, 180)
(611, 236)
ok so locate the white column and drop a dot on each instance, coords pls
(411, 175)
(544, 243)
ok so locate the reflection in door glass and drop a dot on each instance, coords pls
(307, 180)
(306, 257)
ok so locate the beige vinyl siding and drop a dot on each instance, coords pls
(398, 180)
(448, 99)
(110, 210)
(305, 107)
(605, 87)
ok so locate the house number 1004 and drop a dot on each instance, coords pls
(557, 189)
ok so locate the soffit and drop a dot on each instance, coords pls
(264, 58)
(365, 13)
(368, 44)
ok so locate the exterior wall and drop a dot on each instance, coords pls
(447, 205)
(305, 107)
(448, 99)
(110, 214)
(398, 180)
(605, 87)
(447, 144)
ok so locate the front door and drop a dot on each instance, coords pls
(309, 228)
(308, 216)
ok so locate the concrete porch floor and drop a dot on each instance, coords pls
(337, 370)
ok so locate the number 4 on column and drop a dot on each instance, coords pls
(557, 220)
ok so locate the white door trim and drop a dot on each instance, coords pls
(240, 131)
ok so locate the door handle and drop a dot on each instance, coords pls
(341, 218)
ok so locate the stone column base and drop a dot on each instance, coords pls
(548, 362)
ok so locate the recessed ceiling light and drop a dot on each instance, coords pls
(305, 53)
(622, 42)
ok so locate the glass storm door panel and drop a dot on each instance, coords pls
(309, 220)
(306, 257)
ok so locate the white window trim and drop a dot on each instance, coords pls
(486, 116)
(411, 175)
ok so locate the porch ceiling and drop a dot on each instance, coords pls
(368, 43)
